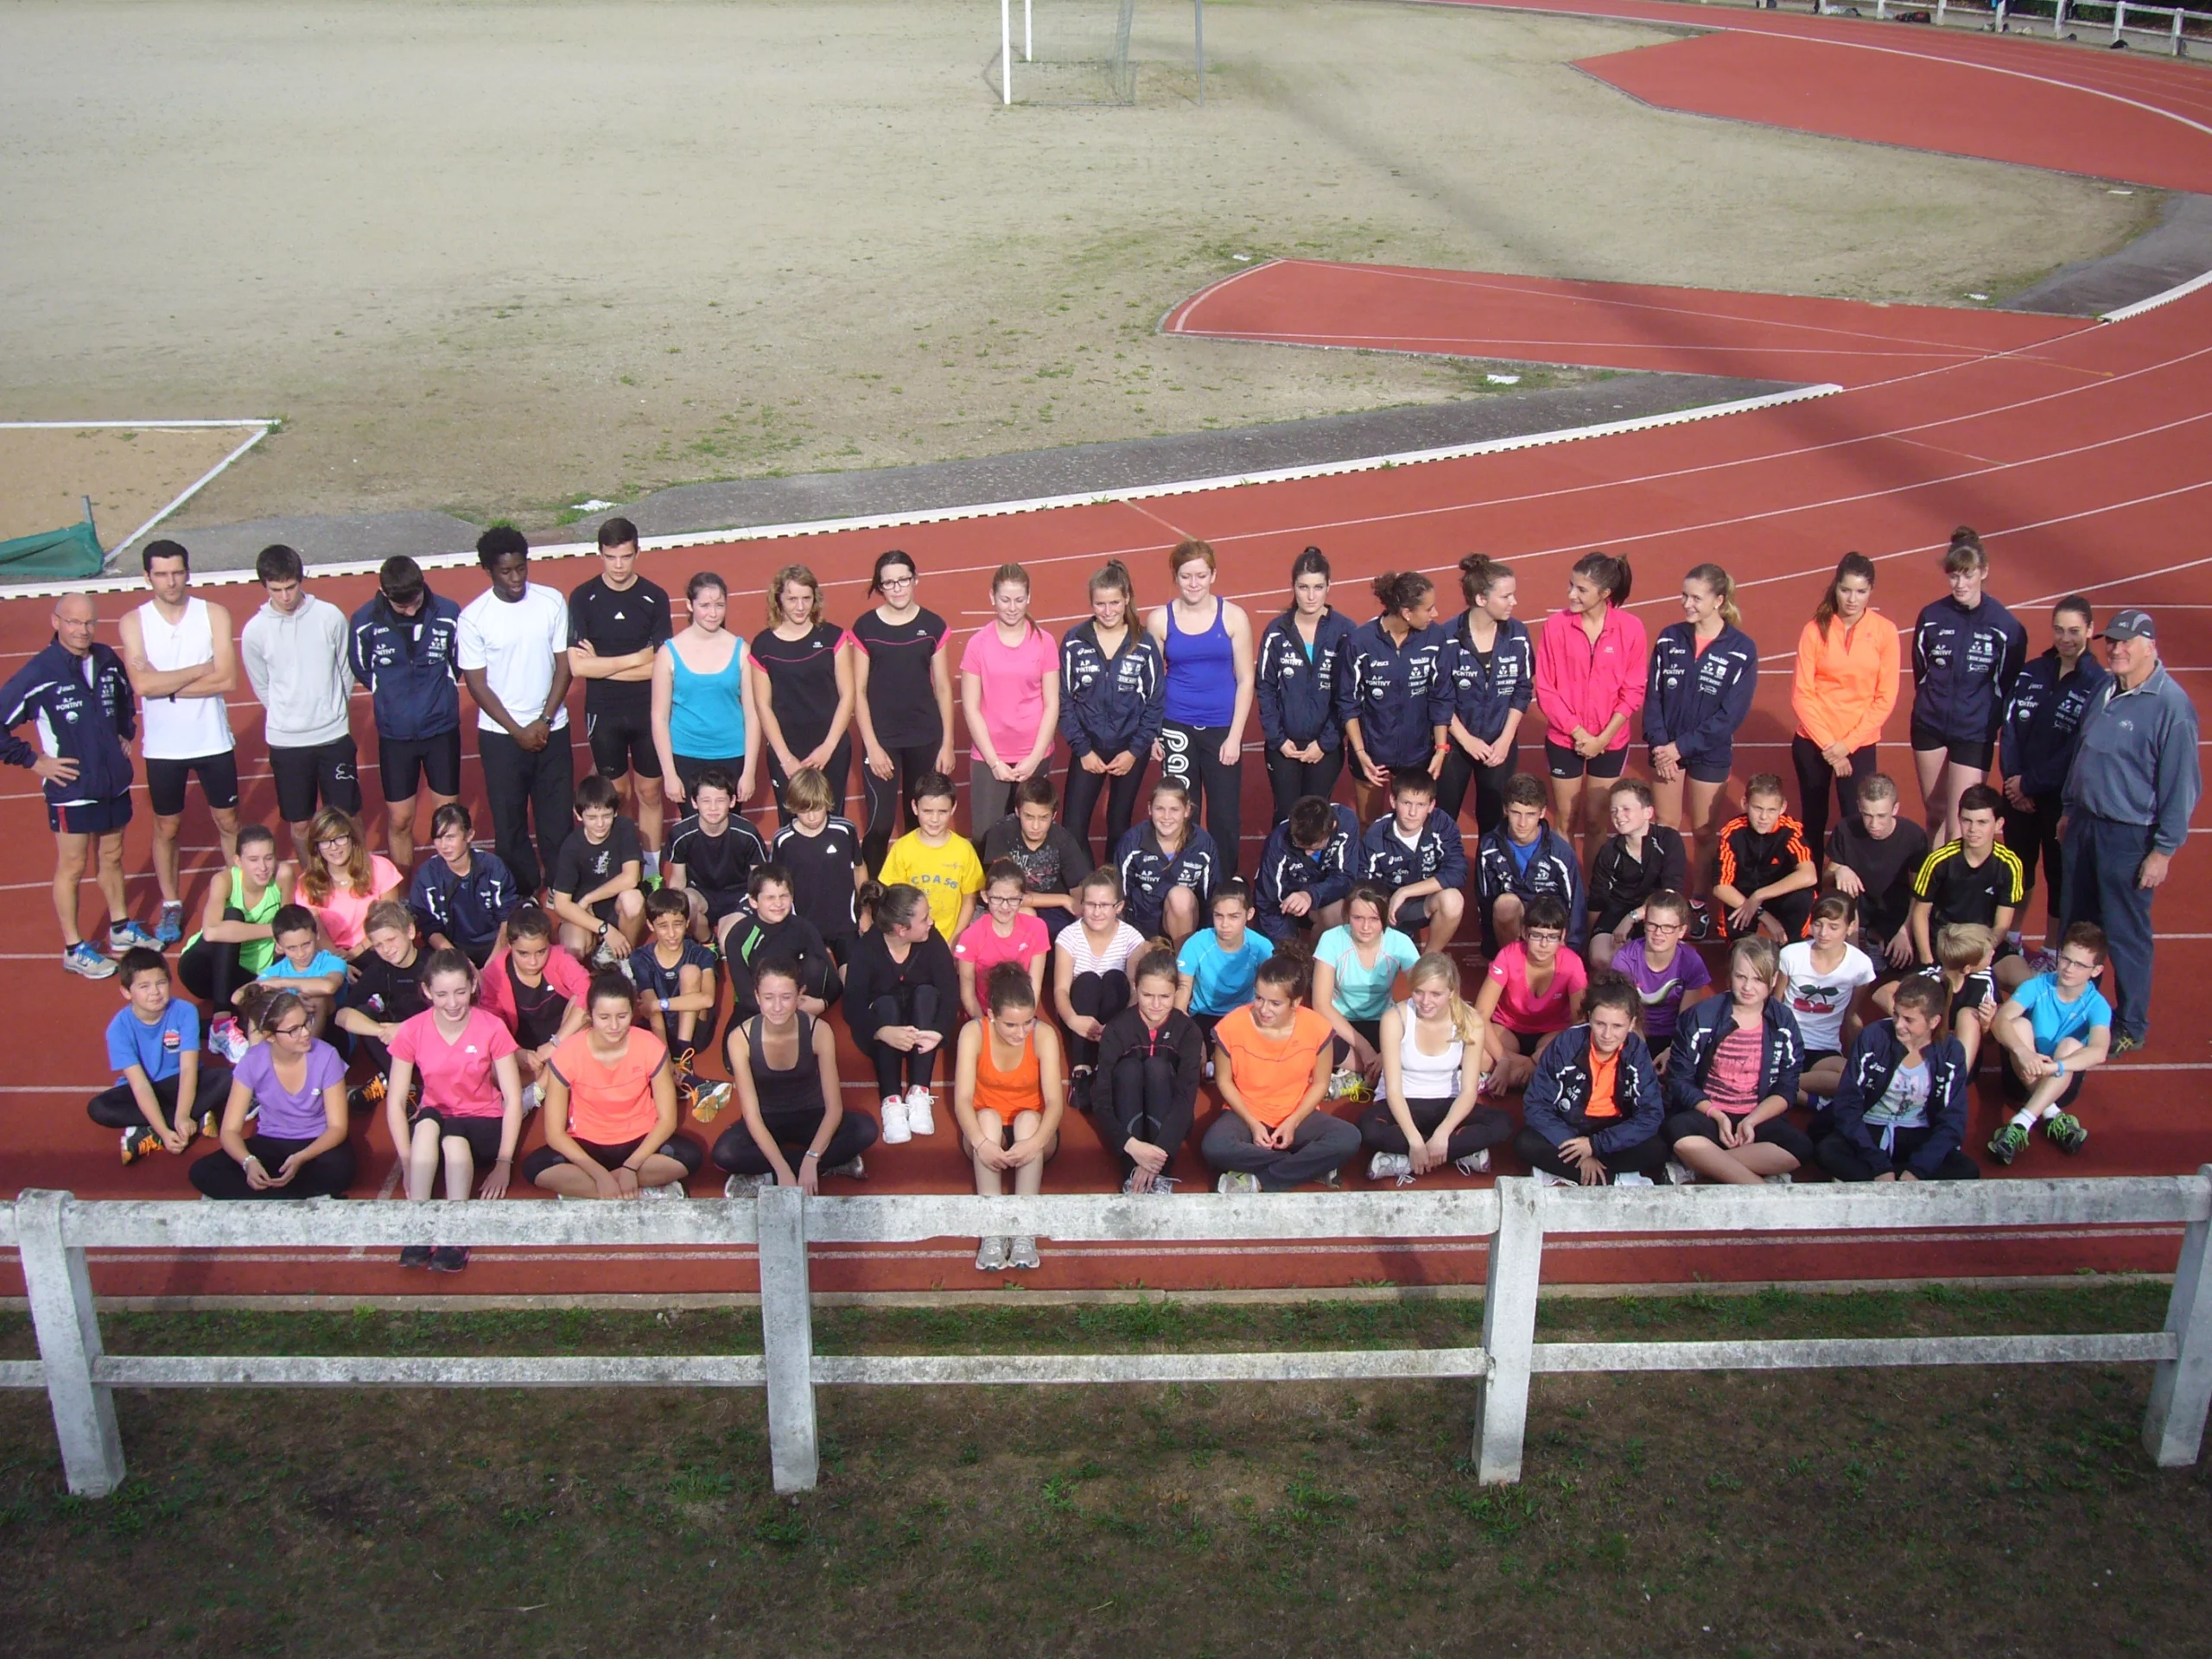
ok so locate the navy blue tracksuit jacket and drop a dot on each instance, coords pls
(1390, 864)
(85, 711)
(408, 663)
(1297, 694)
(1696, 700)
(1964, 664)
(2042, 721)
(1110, 704)
(1482, 696)
(1387, 688)
(1286, 868)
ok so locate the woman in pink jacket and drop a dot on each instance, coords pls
(1590, 665)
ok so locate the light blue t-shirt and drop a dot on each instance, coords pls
(131, 1041)
(328, 964)
(1364, 993)
(2054, 1020)
(1221, 980)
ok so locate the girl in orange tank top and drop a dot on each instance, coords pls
(1009, 1115)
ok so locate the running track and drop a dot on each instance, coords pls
(2076, 447)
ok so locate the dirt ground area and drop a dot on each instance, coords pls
(130, 474)
(497, 259)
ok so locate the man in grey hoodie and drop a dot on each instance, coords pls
(294, 652)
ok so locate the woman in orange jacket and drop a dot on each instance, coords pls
(1847, 684)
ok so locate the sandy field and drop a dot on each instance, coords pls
(496, 258)
(129, 474)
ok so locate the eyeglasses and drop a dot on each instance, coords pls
(1002, 898)
(2077, 962)
(889, 583)
(1666, 927)
(287, 1031)
(335, 841)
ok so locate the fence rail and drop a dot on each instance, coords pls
(52, 1232)
(2171, 26)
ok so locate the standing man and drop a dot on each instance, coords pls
(514, 651)
(178, 652)
(403, 650)
(2134, 783)
(618, 621)
(294, 648)
(78, 692)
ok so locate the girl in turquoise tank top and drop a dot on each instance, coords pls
(703, 710)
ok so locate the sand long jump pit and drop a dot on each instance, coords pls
(500, 258)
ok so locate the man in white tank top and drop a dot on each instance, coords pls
(178, 652)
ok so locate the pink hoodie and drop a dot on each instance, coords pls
(1580, 683)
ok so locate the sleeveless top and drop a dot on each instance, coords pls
(183, 728)
(1008, 1093)
(706, 712)
(789, 1093)
(1427, 1077)
(1201, 671)
(254, 954)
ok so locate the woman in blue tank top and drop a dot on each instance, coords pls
(1207, 643)
(703, 699)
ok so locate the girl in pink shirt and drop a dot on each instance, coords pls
(1592, 663)
(1010, 692)
(340, 878)
(1004, 933)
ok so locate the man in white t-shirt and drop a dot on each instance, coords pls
(513, 652)
(178, 652)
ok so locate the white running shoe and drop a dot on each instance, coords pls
(673, 1190)
(1236, 1181)
(1023, 1253)
(1545, 1178)
(1389, 1165)
(744, 1186)
(1679, 1173)
(1475, 1163)
(920, 1116)
(990, 1255)
(531, 1098)
(897, 1132)
(1780, 1180)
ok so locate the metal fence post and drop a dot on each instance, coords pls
(68, 1327)
(787, 1338)
(1517, 1260)
(2181, 1388)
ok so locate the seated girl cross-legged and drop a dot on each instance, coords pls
(1272, 1061)
(1151, 1059)
(1593, 1109)
(902, 1001)
(1733, 1074)
(1532, 991)
(1901, 1109)
(784, 1063)
(470, 1116)
(1433, 1066)
(1090, 967)
(610, 1108)
(1007, 1096)
(296, 1084)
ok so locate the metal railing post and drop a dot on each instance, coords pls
(787, 1338)
(1517, 1260)
(2181, 1388)
(68, 1327)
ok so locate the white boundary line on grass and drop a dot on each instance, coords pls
(262, 428)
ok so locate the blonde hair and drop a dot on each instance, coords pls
(808, 791)
(1723, 589)
(1963, 946)
(785, 577)
(314, 873)
(1434, 967)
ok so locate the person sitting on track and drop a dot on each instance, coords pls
(933, 859)
(1733, 1077)
(1434, 1062)
(1415, 854)
(1090, 966)
(1306, 870)
(1641, 857)
(302, 965)
(610, 1109)
(905, 1002)
(1216, 969)
(294, 1084)
(1355, 968)
(1051, 857)
(1168, 866)
(1666, 970)
(537, 990)
(1901, 1110)
(1272, 1062)
(462, 898)
(1593, 1109)
(1151, 1059)
(469, 1115)
(1976, 879)
(1874, 857)
(1006, 931)
(712, 856)
(1766, 878)
(675, 977)
(1007, 1096)
(1520, 859)
(774, 927)
(598, 880)
(1823, 976)
(234, 942)
(1963, 951)
(384, 991)
(2051, 1030)
(341, 878)
(1532, 991)
(161, 1092)
(783, 1062)
(821, 849)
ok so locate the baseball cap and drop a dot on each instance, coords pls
(2130, 624)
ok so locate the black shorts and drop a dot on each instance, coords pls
(482, 1134)
(1527, 1041)
(1794, 911)
(1974, 754)
(2016, 1087)
(403, 767)
(1710, 768)
(217, 775)
(681, 1148)
(1565, 762)
(1413, 915)
(89, 817)
(622, 743)
(324, 773)
(688, 767)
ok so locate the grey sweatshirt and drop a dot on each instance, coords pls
(297, 666)
(2136, 762)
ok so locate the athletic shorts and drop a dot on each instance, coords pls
(324, 773)
(403, 767)
(1974, 754)
(217, 775)
(1413, 915)
(482, 1134)
(688, 767)
(622, 743)
(2016, 1089)
(1710, 768)
(1528, 1042)
(1565, 762)
(681, 1148)
(89, 817)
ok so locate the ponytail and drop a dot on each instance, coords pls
(1608, 571)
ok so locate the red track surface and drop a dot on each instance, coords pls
(2076, 447)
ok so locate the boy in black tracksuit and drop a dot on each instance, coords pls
(1889, 1121)
(1145, 1088)
(1418, 847)
(1641, 857)
(1766, 878)
(1309, 855)
(1110, 706)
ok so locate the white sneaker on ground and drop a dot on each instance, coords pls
(1779, 1180)
(990, 1255)
(1236, 1180)
(532, 1099)
(920, 1115)
(744, 1186)
(1023, 1253)
(1545, 1178)
(673, 1190)
(896, 1133)
(1679, 1173)
(1475, 1163)
(1388, 1166)
(1630, 1178)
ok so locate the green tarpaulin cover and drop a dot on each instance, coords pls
(72, 552)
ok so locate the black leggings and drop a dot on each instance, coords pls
(210, 971)
(1139, 1101)
(1459, 769)
(1194, 758)
(886, 798)
(1814, 778)
(1644, 1157)
(1485, 1126)
(118, 1107)
(324, 1176)
(794, 1132)
(838, 769)
(1293, 780)
(1848, 1161)
(2032, 834)
(1082, 802)
(1775, 1131)
(915, 1006)
(1096, 996)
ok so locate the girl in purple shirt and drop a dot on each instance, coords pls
(298, 1149)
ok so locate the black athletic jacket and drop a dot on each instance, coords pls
(1111, 704)
(1147, 872)
(1178, 1041)
(753, 941)
(1287, 867)
(1298, 697)
(1964, 664)
(1874, 1060)
(1619, 883)
(872, 974)
(1695, 700)
(1390, 864)
(409, 665)
(1697, 1038)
